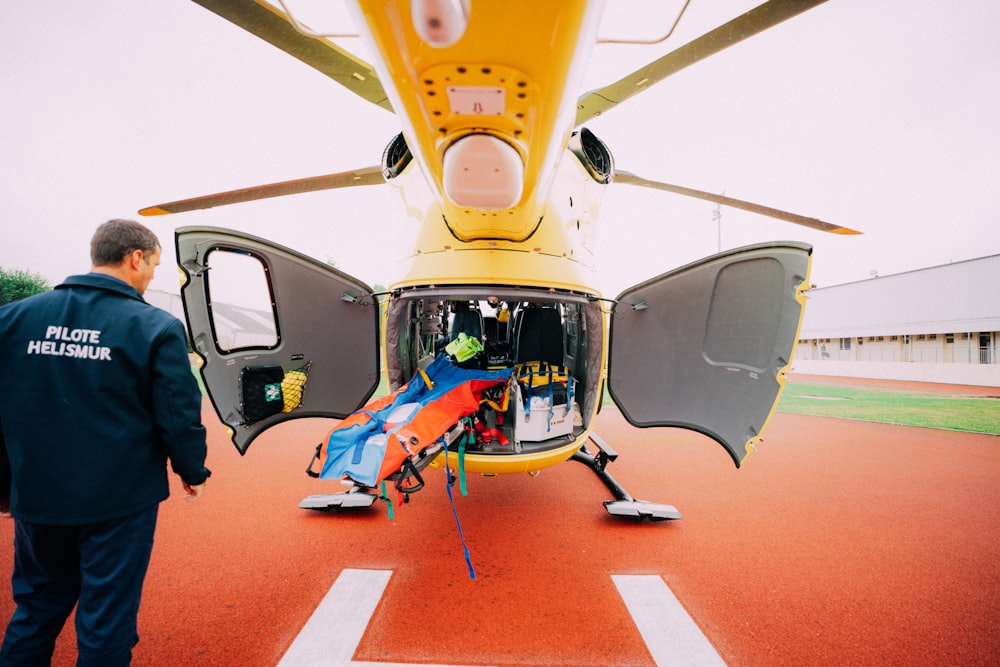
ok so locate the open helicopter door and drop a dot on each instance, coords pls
(705, 347)
(282, 335)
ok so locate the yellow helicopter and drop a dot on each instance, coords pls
(504, 183)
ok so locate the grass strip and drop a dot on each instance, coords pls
(976, 415)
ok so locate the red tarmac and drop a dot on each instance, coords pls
(838, 542)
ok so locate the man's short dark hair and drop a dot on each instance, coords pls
(115, 239)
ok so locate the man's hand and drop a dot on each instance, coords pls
(194, 492)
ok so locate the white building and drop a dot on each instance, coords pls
(939, 324)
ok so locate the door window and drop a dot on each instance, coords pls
(240, 303)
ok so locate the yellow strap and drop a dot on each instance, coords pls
(504, 398)
(496, 406)
(427, 379)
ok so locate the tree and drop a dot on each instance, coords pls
(18, 284)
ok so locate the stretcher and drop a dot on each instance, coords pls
(402, 429)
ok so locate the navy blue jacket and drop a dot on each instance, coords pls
(96, 394)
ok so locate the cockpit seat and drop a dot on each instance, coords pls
(539, 336)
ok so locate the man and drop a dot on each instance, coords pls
(96, 393)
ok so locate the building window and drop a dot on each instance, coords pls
(845, 343)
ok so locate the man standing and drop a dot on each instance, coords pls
(96, 394)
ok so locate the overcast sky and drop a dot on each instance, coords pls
(879, 115)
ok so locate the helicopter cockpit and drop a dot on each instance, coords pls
(553, 342)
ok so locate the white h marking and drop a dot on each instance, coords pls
(333, 632)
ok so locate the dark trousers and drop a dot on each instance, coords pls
(100, 567)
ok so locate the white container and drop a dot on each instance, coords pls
(540, 422)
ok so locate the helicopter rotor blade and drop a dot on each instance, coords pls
(273, 26)
(757, 20)
(344, 179)
(812, 223)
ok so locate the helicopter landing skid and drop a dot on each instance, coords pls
(407, 480)
(623, 504)
(358, 496)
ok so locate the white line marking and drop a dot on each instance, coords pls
(670, 634)
(333, 632)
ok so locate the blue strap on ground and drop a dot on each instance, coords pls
(461, 536)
